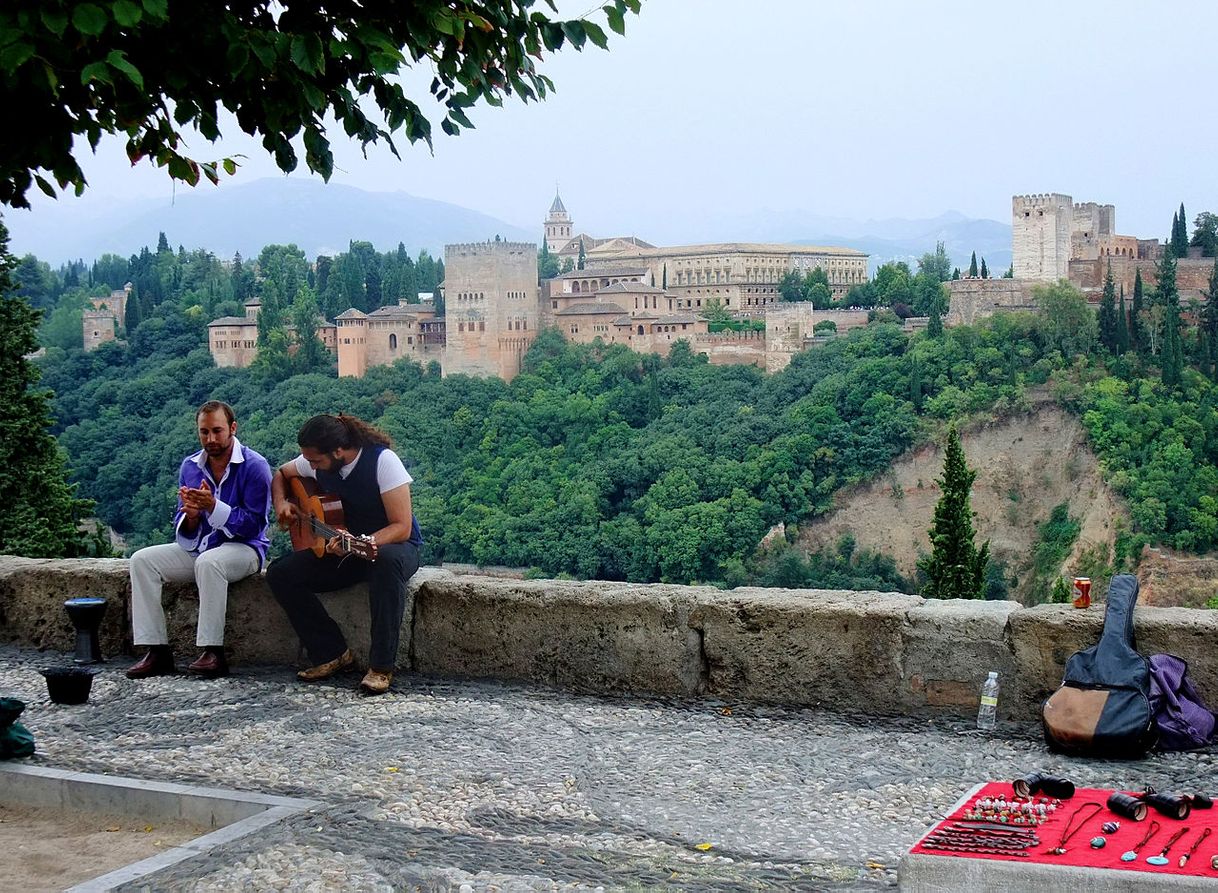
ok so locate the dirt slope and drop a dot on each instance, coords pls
(1025, 466)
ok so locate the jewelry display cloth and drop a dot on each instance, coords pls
(1079, 851)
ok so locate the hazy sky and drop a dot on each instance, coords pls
(859, 110)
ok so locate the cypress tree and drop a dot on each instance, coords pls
(665, 282)
(583, 258)
(915, 382)
(1122, 326)
(955, 567)
(1108, 313)
(1209, 328)
(1179, 234)
(1169, 297)
(1135, 315)
(934, 328)
(972, 266)
(39, 512)
(985, 272)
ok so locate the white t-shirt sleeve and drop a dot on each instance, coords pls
(390, 472)
(303, 468)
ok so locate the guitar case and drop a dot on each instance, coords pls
(1103, 706)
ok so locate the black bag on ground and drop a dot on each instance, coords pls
(1103, 706)
(15, 739)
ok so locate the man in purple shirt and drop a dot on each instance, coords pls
(224, 494)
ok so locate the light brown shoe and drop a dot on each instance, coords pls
(328, 669)
(376, 682)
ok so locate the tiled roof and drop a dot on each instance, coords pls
(232, 321)
(632, 288)
(590, 308)
(602, 273)
(557, 207)
(351, 313)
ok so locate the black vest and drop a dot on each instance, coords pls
(363, 508)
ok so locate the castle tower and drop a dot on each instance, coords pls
(352, 342)
(558, 226)
(1041, 227)
(97, 327)
(491, 306)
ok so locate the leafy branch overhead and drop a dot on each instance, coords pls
(151, 68)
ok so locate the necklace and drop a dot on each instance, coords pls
(1133, 854)
(1161, 859)
(1069, 832)
(1196, 843)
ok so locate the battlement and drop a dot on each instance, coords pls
(98, 314)
(729, 335)
(1040, 200)
(490, 247)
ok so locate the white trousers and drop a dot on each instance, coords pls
(212, 571)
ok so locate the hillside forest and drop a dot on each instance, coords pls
(597, 462)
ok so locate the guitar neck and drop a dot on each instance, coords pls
(353, 543)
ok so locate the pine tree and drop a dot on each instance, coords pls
(955, 567)
(985, 272)
(972, 267)
(1108, 313)
(39, 513)
(1122, 325)
(1135, 316)
(1168, 295)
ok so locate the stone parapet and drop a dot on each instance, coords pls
(868, 651)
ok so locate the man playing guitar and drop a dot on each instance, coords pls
(352, 460)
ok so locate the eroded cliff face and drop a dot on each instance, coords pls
(1177, 580)
(1025, 466)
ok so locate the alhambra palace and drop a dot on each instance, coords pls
(647, 298)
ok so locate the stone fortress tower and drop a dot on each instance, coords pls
(1040, 239)
(558, 226)
(492, 306)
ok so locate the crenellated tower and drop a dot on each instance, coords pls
(491, 307)
(1041, 228)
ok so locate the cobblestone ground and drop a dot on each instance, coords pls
(466, 786)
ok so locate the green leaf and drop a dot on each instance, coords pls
(596, 34)
(552, 35)
(617, 21)
(55, 21)
(126, 13)
(44, 185)
(118, 61)
(443, 22)
(230, 166)
(95, 71)
(158, 9)
(89, 20)
(306, 53)
(459, 116)
(12, 57)
(237, 56)
(575, 33)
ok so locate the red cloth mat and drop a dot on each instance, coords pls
(1079, 850)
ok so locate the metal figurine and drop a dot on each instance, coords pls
(1131, 855)
(1069, 831)
(1161, 859)
(1196, 843)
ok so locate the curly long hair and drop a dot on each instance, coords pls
(328, 433)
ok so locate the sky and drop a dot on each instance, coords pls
(859, 110)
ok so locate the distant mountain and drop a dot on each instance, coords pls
(320, 218)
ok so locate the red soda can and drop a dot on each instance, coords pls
(1082, 592)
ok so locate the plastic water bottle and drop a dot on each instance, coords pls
(987, 713)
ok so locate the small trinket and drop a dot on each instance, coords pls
(1110, 827)
(1214, 863)
(1058, 851)
(1097, 843)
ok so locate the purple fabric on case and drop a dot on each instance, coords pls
(1184, 722)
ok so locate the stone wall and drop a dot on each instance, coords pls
(875, 652)
(974, 299)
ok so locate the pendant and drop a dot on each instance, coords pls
(1097, 843)
(1128, 856)
(1157, 860)
(1058, 851)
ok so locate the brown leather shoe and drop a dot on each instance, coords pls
(376, 682)
(211, 664)
(328, 669)
(157, 661)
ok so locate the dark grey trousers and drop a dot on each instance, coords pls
(297, 578)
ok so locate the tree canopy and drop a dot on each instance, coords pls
(154, 70)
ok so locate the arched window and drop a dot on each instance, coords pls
(393, 342)
(640, 330)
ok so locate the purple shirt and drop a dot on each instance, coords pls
(243, 500)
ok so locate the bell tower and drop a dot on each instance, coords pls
(558, 226)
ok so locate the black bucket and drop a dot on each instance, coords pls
(69, 685)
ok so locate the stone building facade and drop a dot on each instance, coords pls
(386, 335)
(492, 307)
(972, 300)
(100, 324)
(1049, 231)
(233, 340)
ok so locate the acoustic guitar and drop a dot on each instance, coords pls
(319, 519)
